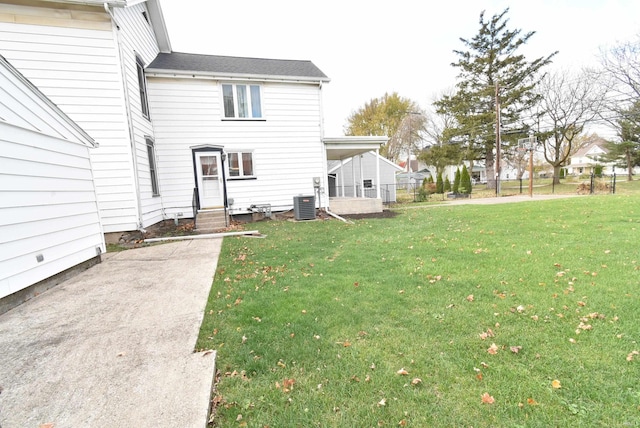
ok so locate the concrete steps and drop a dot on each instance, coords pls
(211, 220)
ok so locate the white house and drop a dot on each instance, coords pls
(356, 177)
(49, 219)
(88, 57)
(587, 158)
(236, 133)
(177, 132)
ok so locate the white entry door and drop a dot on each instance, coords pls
(210, 179)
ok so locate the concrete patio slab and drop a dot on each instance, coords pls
(114, 345)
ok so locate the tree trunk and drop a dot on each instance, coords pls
(629, 165)
(490, 170)
(556, 174)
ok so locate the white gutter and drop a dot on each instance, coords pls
(155, 72)
(338, 217)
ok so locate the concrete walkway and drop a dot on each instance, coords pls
(113, 346)
(491, 200)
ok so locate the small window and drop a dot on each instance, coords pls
(142, 83)
(241, 164)
(151, 154)
(242, 101)
(368, 184)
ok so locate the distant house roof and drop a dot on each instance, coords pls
(179, 63)
(597, 147)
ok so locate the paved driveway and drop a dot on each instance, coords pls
(114, 345)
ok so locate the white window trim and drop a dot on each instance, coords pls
(234, 86)
(153, 169)
(241, 176)
(142, 83)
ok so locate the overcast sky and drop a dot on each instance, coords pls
(369, 47)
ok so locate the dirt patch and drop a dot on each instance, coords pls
(169, 228)
(164, 229)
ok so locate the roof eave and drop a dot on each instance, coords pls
(157, 72)
(159, 25)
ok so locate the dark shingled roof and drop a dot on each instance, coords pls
(236, 66)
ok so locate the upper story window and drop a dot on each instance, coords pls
(142, 83)
(242, 101)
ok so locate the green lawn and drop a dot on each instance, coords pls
(314, 323)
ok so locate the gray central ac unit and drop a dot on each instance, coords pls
(304, 207)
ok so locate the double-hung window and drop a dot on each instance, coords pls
(151, 155)
(242, 101)
(241, 165)
(142, 84)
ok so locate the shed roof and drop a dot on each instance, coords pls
(233, 67)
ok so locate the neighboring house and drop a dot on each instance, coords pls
(49, 219)
(349, 178)
(414, 178)
(585, 160)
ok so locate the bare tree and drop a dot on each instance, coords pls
(622, 65)
(408, 138)
(569, 102)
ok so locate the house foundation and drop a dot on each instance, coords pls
(345, 206)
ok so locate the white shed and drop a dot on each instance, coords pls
(49, 220)
(345, 176)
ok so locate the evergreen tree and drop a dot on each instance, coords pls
(456, 181)
(447, 185)
(626, 153)
(465, 181)
(491, 70)
(439, 184)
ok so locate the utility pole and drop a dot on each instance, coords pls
(498, 149)
(532, 140)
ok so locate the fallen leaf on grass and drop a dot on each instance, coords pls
(469, 298)
(515, 349)
(556, 384)
(402, 372)
(402, 423)
(487, 399)
(382, 402)
(416, 381)
(532, 402)
(631, 355)
(493, 349)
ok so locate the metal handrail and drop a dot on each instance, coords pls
(195, 203)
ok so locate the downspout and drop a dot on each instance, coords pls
(127, 107)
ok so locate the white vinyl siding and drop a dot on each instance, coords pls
(48, 206)
(138, 42)
(78, 69)
(287, 148)
(76, 57)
